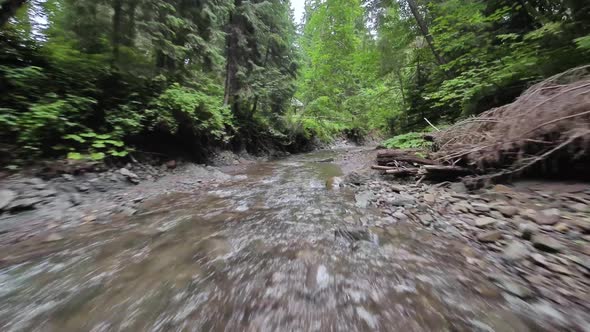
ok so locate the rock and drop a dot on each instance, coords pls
(425, 219)
(53, 237)
(515, 289)
(89, 218)
(507, 210)
(75, 199)
(583, 262)
(483, 222)
(171, 164)
(363, 199)
(352, 234)
(214, 248)
(6, 197)
(545, 217)
(40, 186)
(131, 177)
(557, 268)
(401, 200)
(24, 204)
(527, 230)
(546, 309)
(399, 216)
(561, 227)
(83, 187)
(35, 181)
(489, 236)
(127, 211)
(68, 177)
(579, 207)
(539, 259)
(429, 198)
(459, 187)
(47, 193)
(515, 251)
(480, 207)
(500, 188)
(546, 243)
(583, 224)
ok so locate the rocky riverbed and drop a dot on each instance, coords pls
(309, 242)
(530, 238)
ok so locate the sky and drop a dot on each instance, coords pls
(298, 6)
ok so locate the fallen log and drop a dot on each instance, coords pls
(383, 168)
(398, 171)
(389, 156)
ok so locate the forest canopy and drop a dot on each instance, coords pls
(96, 79)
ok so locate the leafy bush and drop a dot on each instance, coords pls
(412, 140)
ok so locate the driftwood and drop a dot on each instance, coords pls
(399, 171)
(391, 157)
(383, 168)
(440, 172)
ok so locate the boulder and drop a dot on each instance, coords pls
(483, 222)
(24, 204)
(507, 210)
(171, 164)
(131, 177)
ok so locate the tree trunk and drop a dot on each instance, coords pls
(8, 9)
(425, 32)
(116, 38)
(231, 52)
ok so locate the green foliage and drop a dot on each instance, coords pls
(90, 145)
(411, 140)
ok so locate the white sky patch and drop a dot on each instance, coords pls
(298, 9)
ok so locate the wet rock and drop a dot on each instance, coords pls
(317, 277)
(131, 177)
(429, 198)
(47, 193)
(401, 200)
(515, 251)
(545, 217)
(214, 248)
(363, 199)
(6, 197)
(507, 210)
(583, 262)
(89, 218)
(546, 243)
(489, 236)
(483, 222)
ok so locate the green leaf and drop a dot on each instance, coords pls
(97, 156)
(75, 156)
(76, 138)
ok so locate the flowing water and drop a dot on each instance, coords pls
(263, 252)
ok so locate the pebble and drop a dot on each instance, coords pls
(53, 237)
(527, 230)
(507, 210)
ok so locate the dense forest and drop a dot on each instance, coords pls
(99, 78)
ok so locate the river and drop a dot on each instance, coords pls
(273, 250)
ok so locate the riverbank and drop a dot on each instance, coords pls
(530, 238)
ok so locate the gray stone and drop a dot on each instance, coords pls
(47, 193)
(539, 259)
(68, 177)
(425, 219)
(515, 289)
(546, 243)
(515, 251)
(131, 177)
(363, 199)
(402, 200)
(546, 309)
(483, 222)
(459, 187)
(527, 230)
(557, 268)
(583, 224)
(75, 199)
(480, 207)
(53, 237)
(6, 197)
(546, 217)
(579, 207)
(489, 236)
(83, 187)
(583, 262)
